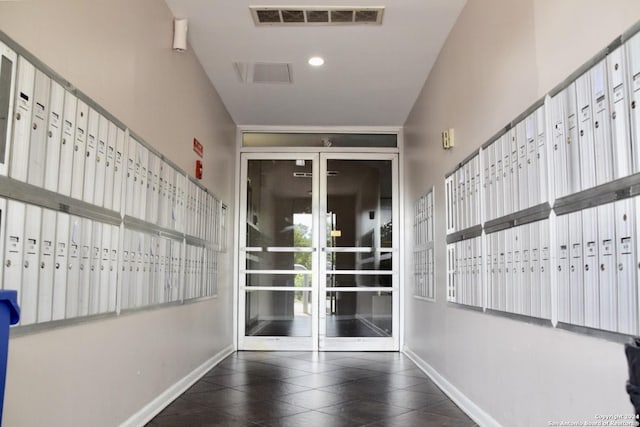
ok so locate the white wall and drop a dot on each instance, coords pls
(119, 53)
(500, 57)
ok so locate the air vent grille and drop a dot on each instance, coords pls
(293, 15)
(263, 72)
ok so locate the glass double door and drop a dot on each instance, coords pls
(318, 253)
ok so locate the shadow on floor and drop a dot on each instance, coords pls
(313, 390)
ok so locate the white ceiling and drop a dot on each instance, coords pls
(371, 77)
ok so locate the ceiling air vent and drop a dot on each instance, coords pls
(294, 15)
(263, 72)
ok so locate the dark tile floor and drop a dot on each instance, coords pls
(293, 389)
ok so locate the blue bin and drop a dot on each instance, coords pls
(9, 315)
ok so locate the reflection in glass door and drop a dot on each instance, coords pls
(278, 253)
(358, 298)
(296, 297)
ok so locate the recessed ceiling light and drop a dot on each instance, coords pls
(316, 61)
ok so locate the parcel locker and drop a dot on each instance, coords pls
(585, 131)
(8, 60)
(91, 153)
(574, 168)
(54, 136)
(24, 96)
(576, 269)
(451, 269)
(618, 98)
(131, 177)
(430, 275)
(558, 145)
(105, 276)
(479, 290)
(542, 166)
(188, 281)
(169, 296)
(109, 166)
(518, 270)
(29, 287)
(79, 150)
(150, 210)
(525, 278)
(501, 272)
(38, 138)
(163, 217)
(119, 170)
(562, 269)
(590, 249)
(153, 200)
(506, 197)
(130, 278)
(535, 283)
(448, 194)
(84, 283)
(46, 265)
(138, 179)
(545, 270)
(191, 204)
(486, 168)
(140, 285)
(633, 75)
(514, 172)
(155, 285)
(161, 272)
(61, 267)
(607, 268)
(94, 268)
(143, 154)
(468, 199)
(14, 246)
(499, 182)
(73, 273)
(507, 236)
(601, 123)
(523, 181)
(125, 271)
(533, 178)
(146, 270)
(113, 268)
(626, 254)
(177, 274)
(67, 144)
(101, 161)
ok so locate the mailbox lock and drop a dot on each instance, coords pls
(8, 263)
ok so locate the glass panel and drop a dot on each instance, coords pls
(279, 204)
(6, 67)
(297, 280)
(278, 313)
(359, 204)
(359, 280)
(358, 314)
(279, 260)
(359, 261)
(256, 139)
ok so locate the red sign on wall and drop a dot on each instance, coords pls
(197, 147)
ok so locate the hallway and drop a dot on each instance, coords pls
(313, 390)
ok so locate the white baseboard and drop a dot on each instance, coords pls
(474, 412)
(153, 408)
